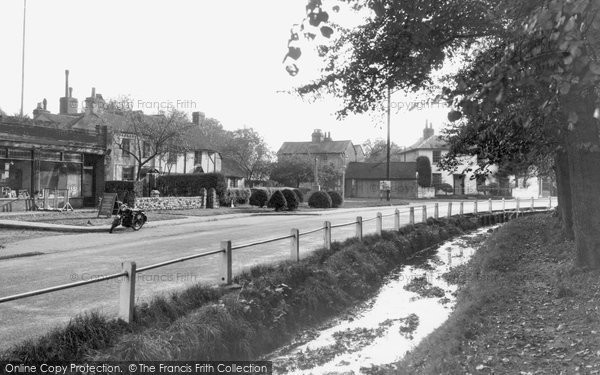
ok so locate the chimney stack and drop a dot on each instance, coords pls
(68, 104)
(428, 131)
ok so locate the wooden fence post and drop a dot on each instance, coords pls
(490, 209)
(503, 204)
(424, 213)
(127, 293)
(550, 202)
(295, 245)
(462, 208)
(518, 206)
(411, 217)
(378, 223)
(359, 228)
(449, 209)
(327, 235)
(397, 220)
(226, 267)
(475, 207)
(532, 203)
(436, 211)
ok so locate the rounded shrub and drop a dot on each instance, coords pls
(336, 199)
(299, 195)
(277, 201)
(258, 198)
(319, 199)
(291, 199)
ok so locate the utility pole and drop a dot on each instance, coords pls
(23, 58)
(387, 173)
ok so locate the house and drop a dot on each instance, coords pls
(362, 180)
(463, 180)
(41, 157)
(234, 174)
(434, 148)
(324, 151)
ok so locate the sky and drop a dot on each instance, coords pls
(223, 58)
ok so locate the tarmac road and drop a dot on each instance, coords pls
(75, 257)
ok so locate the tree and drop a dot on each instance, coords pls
(535, 58)
(424, 171)
(250, 151)
(329, 177)
(292, 171)
(376, 151)
(149, 137)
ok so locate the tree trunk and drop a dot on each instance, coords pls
(583, 150)
(564, 192)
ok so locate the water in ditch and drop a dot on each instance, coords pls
(414, 301)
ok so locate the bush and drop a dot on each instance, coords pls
(445, 187)
(277, 201)
(291, 199)
(237, 195)
(259, 198)
(424, 171)
(336, 199)
(299, 195)
(319, 199)
(126, 191)
(190, 185)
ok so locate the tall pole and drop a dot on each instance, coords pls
(23, 58)
(387, 172)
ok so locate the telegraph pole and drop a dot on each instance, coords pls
(23, 58)
(387, 173)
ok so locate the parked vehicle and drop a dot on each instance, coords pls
(128, 217)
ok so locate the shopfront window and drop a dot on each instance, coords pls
(61, 175)
(15, 178)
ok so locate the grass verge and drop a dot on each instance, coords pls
(204, 323)
(522, 308)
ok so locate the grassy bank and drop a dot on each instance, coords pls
(522, 308)
(274, 302)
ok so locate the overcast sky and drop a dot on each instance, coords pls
(223, 58)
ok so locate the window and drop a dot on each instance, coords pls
(437, 156)
(436, 179)
(127, 174)
(126, 147)
(198, 157)
(233, 182)
(147, 150)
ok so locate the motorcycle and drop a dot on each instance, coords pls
(128, 217)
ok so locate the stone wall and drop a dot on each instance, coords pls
(168, 203)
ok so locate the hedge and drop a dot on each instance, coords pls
(259, 197)
(319, 199)
(126, 191)
(277, 201)
(424, 171)
(190, 185)
(336, 199)
(291, 199)
(237, 195)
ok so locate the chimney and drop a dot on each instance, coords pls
(317, 136)
(68, 104)
(327, 137)
(428, 131)
(95, 103)
(198, 118)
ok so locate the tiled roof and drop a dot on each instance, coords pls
(433, 142)
(377, 171)
(325, 147)
(231, 168)
(63, 121)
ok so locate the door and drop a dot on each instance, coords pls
(459, 184)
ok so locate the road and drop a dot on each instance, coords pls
(68, 258)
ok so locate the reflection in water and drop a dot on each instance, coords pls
(415, 301)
